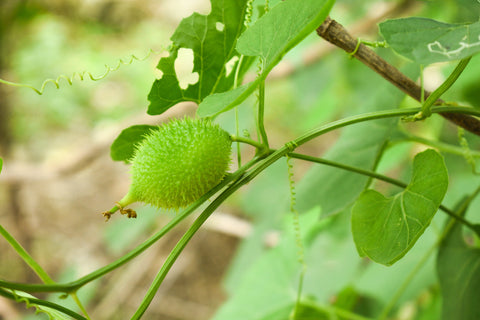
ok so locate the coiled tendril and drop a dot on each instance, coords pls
(82, 75)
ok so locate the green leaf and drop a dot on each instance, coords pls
(123, 147)
(458, 269)
(384, 229)
(212, 39)
(270, 38)
(427, 41)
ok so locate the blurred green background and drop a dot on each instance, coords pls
(58, 176)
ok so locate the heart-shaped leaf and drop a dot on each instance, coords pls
(384, 229)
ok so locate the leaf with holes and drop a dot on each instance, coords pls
(270, 38)
(427, 41)
(212, 38)
(384, 229)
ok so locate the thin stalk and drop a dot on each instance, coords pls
(445, 147)
(251, 142)
(261, 114)
(79, 304)
(298, 302)
(42, 274)
(361, 171)
(435, 95)
(33, 301)
(460, 219)
(377, 115)
(237, 129)
(378, 157)
(237, 132)
(422, 88)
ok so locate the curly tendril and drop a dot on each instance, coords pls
(248, 13)
(296, 216)
(82, 75)
(29, 304)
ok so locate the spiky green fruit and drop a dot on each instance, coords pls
(178, 163)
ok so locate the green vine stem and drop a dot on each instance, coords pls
(435, 95)
(251, 142)
(255, 166)
(79, 304)
(444, 147)
(42, 274)
(342, 166)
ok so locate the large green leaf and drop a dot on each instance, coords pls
(212, 38)
(270, 38)
(123, 147)
(458, 269)
(427, 41)
(384, 229)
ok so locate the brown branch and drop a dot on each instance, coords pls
(335, 33)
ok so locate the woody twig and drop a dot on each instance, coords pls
(335, 33)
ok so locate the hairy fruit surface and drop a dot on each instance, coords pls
(178, 163)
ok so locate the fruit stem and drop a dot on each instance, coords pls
(120, 205)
